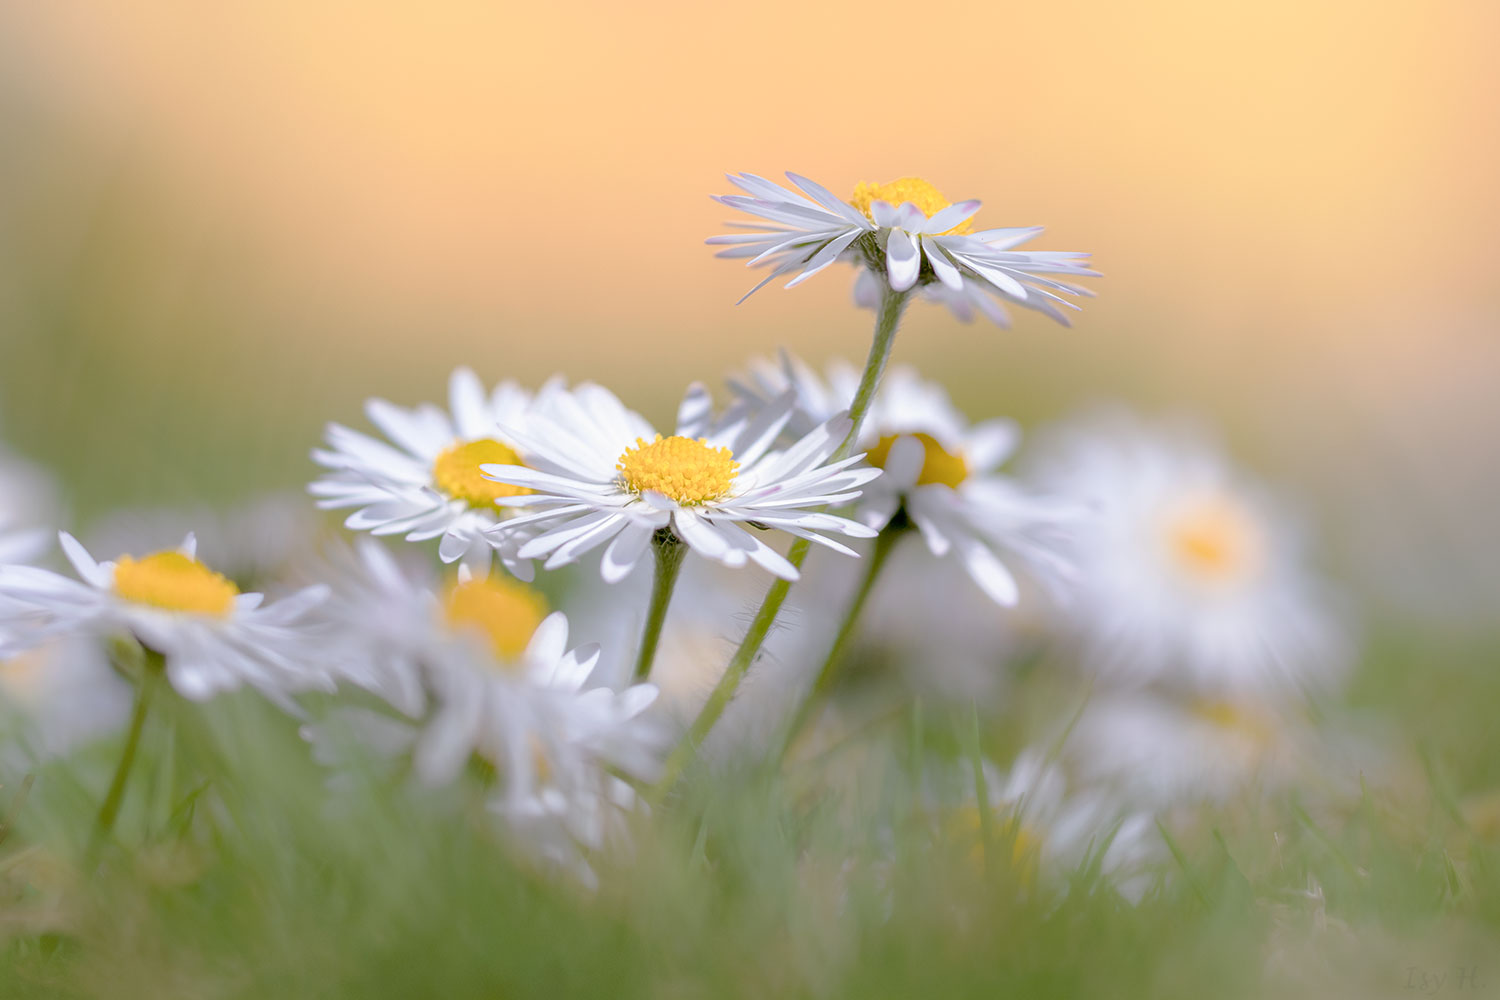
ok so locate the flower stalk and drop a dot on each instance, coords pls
(669, 551)
(874, 562)
(153, 669)
(887, 319)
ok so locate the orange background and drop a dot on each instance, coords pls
(227, 223)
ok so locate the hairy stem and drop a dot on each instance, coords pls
(669, 551)
(874, 562)
(887, 318)
(108, 812)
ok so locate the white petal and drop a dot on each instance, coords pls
(903, 259)
(624, 552)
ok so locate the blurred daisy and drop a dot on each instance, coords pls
(565, 825)
(256, 543)
(213, 637)
(1185, 571)
(426, 484)
(482, 671)
(57, 696)
(600, 473)
(940, 471)
(1050, 831)
(907, 235)
(28, 504)
(1161, 751)
(896, 628)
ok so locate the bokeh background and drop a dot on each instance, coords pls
(224, 224)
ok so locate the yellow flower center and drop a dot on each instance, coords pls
(686, 470)
(1482, 813)
(1243, 721)
(939, 465)
(913, 189)
(505, 613)
(176, 582)
(1025, 842)
(457, 474)
(1215, 540)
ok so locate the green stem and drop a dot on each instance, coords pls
(887, 318)
(110, 810)
(670, 551)
(885, 544)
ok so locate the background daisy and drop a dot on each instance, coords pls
(213, 637)
(1186, 571)
(1162, 751)
(479, 668)
(1049, 830)
(940, 471)
(426, 484)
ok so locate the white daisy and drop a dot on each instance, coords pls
(897, 631)
(57, 696)
(256, 542)
(482, 671)
(28, 504)
(1162, 751)
(1050, 830)
(940, 472)
(213, 637)
(906, 233)
(564, 825)
(428, 484)
(1186, 571)
(600, 473)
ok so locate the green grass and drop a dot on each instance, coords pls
(236, 873)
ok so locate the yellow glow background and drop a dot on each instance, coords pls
(226, 223)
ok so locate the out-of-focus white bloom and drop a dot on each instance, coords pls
(1052, 830)
(564, 826)
(255, 543)
(57, 696)
(1186, 571)
(28, 510)
(940, 471)
(1162, 752)
(907, 235)
(929, 625)
(482, 670)
(428, 484)
(213, 637)
(711, 608)
(599, 473)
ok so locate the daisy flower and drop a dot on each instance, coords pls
(426, 484)
(1186, 571)
(599, 473)
(57, 696)
(27, 503)
(941, 472)
(481, 670)
(257, 542)
(213, 637)
(1162, 751)
(905, 233)
(1050, 830)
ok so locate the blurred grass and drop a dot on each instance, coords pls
(238, 874)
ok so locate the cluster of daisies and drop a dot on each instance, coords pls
(447, 652)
